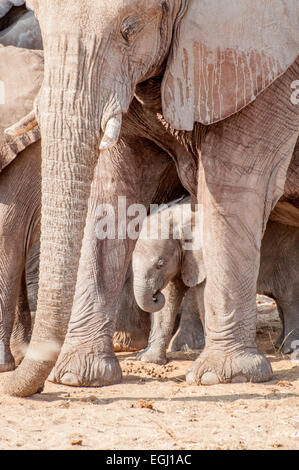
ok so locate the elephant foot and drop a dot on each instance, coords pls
(152, 355)
(7, 362)
(289, 343)
(184, 340)
(86, 369)
(213, 366)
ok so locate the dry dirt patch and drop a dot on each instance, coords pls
(155, 409)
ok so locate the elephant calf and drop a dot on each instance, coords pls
(167, 263)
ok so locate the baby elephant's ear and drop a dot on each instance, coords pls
(193, 268)
(224, 54)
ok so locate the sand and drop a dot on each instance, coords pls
(153, 408)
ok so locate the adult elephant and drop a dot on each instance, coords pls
(87, 357)
(214, 59)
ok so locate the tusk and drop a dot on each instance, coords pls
(23, 126)
(112, 132)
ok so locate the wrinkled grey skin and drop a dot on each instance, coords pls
(20, 160)
(89, 339)
(190, 333)
(19, 245)
(18, 27)
(19, 225)
(122, 44)
(279, 279)
(132, 324)
(154, 269)
(26, 305)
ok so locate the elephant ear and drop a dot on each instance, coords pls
(224, 54)
(187, 228)
(193, 268)
(21, 75)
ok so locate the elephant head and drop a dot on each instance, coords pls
(213, 59)
(164, 252)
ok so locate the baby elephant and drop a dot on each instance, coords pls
(165, 262)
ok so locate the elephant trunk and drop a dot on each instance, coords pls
(147, 298)
(70, 128)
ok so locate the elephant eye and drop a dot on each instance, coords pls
(129, 28)
(160, 263)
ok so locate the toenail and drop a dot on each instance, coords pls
(209, 378)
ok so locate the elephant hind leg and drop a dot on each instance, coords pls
(288, 341)
(21, 332)
(243, 168)
(134, 170)
(11, 269)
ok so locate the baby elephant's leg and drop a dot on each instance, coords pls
(162, 325)
(190, 334)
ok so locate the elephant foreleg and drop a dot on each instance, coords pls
(132, 170)
(244, 164)
(162, 324)
(190, 334)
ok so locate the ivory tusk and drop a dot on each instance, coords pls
(23, 126)
(112, 132)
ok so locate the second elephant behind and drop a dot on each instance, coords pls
(166, 263)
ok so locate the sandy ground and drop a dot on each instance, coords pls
(155, 409)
